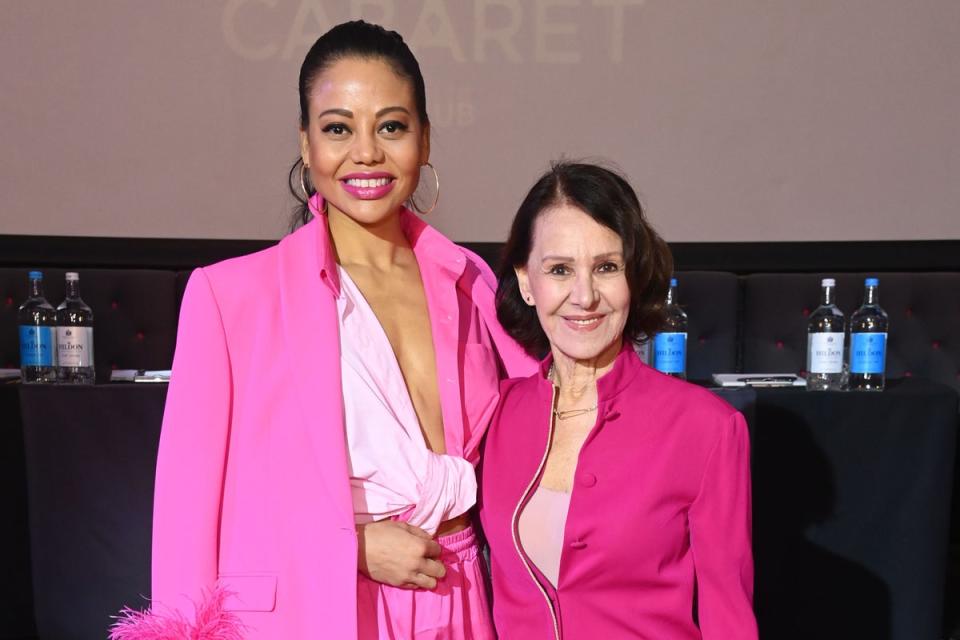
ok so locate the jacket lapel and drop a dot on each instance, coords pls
(309, 284)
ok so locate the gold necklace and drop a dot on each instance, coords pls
(572, 413)
(569, 413)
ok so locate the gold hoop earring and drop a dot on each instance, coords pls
(436, 199)
(303, 181)
(306, 194)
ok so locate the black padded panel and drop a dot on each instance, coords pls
(181, 287)
(924, 312)
(710, 300)
(135, 315)
(489, 251)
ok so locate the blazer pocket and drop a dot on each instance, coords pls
(249, 592)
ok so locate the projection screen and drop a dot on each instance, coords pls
(742, 120)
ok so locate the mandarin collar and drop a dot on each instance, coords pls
(625, 368)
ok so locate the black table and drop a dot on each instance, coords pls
(90, 459)
(16, 592)
(851, 506)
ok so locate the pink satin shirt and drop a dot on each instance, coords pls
(392, 471)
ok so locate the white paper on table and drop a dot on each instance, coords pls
(759, 380)
(159, 375)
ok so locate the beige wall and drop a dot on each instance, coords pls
(736, 120)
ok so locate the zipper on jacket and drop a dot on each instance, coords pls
(515, 523)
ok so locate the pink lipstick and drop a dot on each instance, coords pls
(368, 186)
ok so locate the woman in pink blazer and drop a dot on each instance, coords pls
(616, 499)
(329, 394)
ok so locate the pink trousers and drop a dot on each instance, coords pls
(458, 609)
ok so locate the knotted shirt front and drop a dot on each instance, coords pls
(392, 471)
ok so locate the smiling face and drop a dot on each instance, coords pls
(576, 277)
(365, 144)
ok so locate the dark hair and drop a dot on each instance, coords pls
(356, 39)
(607, 197)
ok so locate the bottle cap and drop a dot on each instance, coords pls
(872, 282)
(72, 275)
(828, 282)
(36, 275)
(673, 282)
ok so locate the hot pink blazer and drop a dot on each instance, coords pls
(660, 511)
(252, 490)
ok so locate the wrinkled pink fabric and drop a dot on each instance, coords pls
(458, 609)
(392, 472)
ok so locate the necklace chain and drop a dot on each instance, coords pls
(569, 413)
(572, 413)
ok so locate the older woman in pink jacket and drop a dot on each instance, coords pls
(329, 394)
(616, 499)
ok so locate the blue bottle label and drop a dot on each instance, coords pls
(37, 346)
(868, 352)
(670, 352)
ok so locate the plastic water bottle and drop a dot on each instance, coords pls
(74, 336)
(38, 338)
(868, 341)
(825, 333)
(670, 345)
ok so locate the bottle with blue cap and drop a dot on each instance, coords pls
(825, 336)
(670, 345)
(868, 341)
(37, 322)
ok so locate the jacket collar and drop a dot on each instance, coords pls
(626, 367)
(310, 331)
(429, 246)
(326, 256)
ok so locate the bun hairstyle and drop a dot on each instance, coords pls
(355, 39)
(608, 198)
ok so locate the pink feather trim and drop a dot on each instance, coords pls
(211, 622)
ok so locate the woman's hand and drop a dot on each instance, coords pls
(398, 554)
